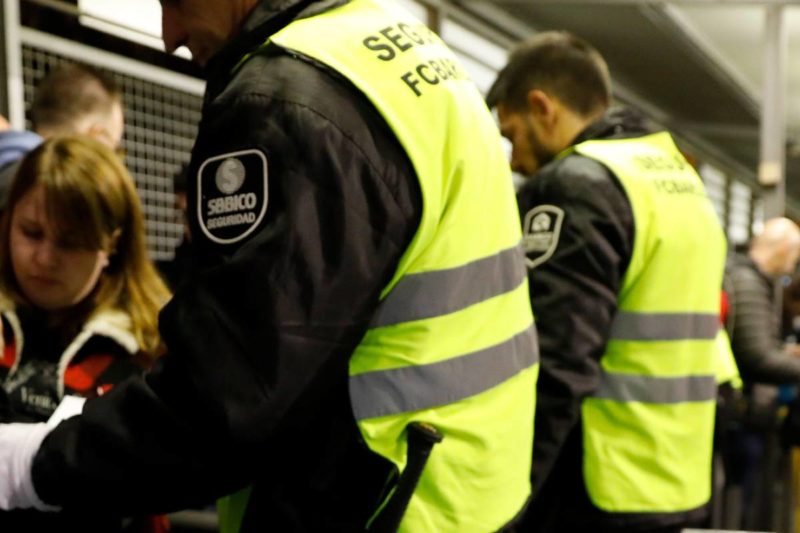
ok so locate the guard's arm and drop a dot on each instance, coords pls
(259, 342)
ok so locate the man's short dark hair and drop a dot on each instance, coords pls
(559, 64)
(70, 92)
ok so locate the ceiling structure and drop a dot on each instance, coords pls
(696, 66)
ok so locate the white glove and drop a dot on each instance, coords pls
(70, 406)
(18, 445)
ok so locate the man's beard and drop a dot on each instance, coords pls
(540, 153)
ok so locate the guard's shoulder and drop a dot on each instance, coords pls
(574, 177)
(577, 172)
(281, 81)
(251, 78)
(281, 117)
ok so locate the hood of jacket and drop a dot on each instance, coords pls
(15, 144)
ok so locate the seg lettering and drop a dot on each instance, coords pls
(386, 51)
(415, 36)
(394, 36)
(394, 40)
(229, 204)
(660, 163)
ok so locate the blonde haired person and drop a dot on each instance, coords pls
(79, 298)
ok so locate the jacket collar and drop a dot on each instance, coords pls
(617, 123)
(266, 19)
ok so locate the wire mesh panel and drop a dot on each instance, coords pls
(160, 127)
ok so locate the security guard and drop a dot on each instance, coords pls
(359, 350)
(625, 256)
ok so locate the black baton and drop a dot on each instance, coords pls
(422, 437)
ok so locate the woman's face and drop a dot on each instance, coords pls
(52, 275)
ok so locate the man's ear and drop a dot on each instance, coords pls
(98, 132)
(542, 106)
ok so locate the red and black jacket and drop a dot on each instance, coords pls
(38, 367)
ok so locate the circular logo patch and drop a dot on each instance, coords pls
(230, 176)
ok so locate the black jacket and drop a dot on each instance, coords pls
(254, 388)
(754, 326)
(574, 297)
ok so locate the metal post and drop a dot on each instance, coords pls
(772, 169)
(12, 54)
(3, 70)
(772, 176)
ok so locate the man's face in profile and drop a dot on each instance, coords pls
(528, 154)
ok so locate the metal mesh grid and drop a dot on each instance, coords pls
(741, 198)
(160, 128)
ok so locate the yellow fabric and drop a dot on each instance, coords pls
(656, 457)
(231, 509)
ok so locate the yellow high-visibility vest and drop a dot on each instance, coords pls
(648, 430)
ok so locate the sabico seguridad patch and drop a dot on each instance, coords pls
(542, 228)
(232, 195)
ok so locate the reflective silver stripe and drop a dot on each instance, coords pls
(440, 292)
(388, 392)
(649, 389)
(664, 326)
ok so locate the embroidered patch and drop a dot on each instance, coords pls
(232, 195)
(542, 229)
